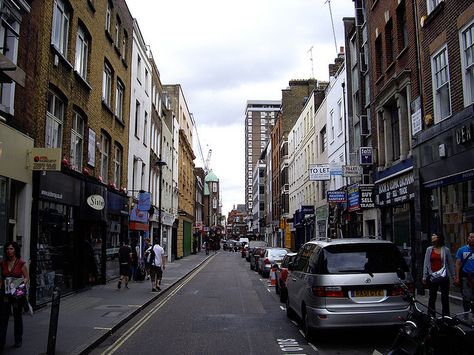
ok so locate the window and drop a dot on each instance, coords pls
(340, 113)
(82, 52)
(117, 165)
(395, 125)
(145, 129)
(137, 117)
(214, 203)
(467, 60)
(389, 43)
(402, 27)
(432, 4)
(108, 16)
(119, 100)
(54, 121)
(147, 81)
(60, 26)
(117, 32)
(104, 158)
(378, 57)
(107, 85)
(214, 186)
(139, 69)
(331, 115)
(323, 139)
(77, 140)
(441, 90)
(124, 45)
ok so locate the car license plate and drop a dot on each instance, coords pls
(368, 293)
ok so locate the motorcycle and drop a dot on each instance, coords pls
(425, 334)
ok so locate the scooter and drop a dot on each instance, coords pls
(425, 334)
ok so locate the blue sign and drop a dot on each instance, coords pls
(336, 196)
(138, 215)
(366, 156)
(353, 198)
(144, 202)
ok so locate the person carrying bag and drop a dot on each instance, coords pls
(465, 272)
(13, 295)
(438, 270)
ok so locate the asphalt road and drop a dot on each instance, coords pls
(225, 308)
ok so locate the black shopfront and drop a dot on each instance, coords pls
(445, 180)
(395, 195)
(69, 231)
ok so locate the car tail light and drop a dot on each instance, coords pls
(398, 290)
(328, 291)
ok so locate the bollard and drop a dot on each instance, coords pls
(53, 322)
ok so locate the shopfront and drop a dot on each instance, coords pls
(395, 196)
(117, 230)
(54, 237)
(445, 167)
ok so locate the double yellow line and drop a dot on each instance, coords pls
(120, 341)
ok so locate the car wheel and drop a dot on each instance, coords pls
(307, 330)
(290, 313)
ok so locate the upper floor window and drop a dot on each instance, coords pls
(107, 85)
(60, 26)
(117, 165)
(117, 32)
(137, 117)
(467, 62)
(119, 100)
(214, 187)
(441, 90)
(389, 43)
(104, 158)
(340, 114)
(402, 27)
(145, 129)
(54, 121)
(139, 69)
(108, 17)
(331, 118)
(323, 139)
(432, 4)
(124, 44)
(147, 81)
(82, 52)
(77, 140)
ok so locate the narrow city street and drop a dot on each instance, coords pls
(225, 308)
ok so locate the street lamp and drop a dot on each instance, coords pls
(160, 164)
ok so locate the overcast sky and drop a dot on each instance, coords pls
(224, 53)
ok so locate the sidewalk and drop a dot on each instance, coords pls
(88, 317)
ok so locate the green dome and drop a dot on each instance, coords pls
(211, 177)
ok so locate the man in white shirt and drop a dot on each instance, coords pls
(156, 270)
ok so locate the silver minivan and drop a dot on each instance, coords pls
(347, 283)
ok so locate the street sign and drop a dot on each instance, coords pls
(47, 159)
(319, 172)
(336, 169)
(367, 196)
(353, 198)
(351, 170)
(366, 155)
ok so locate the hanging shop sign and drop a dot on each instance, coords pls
(336, 196)
(96, 202)
(397, 190)
(367, 197)
(319, 172)
(336, 169)
(353, 203)
(366, 155)
(351, 171)
(45, 159)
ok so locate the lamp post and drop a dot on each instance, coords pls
(160, 164)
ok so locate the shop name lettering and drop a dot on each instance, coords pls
(464, 134)
(366, 199)
(397, 190)
(52, 194)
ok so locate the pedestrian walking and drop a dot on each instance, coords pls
(146, 248)
(465, 272)
(157, 267)
(13, 292)
(125, 261)
(438, 271)
(134, 263)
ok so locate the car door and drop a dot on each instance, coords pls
(296, 283)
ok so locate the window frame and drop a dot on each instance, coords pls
(434, 72)
(107, 84)
(82, 52)
(54, 122)
(468, 82)
(118, 153)
(60, 31)
(119, 100)
(104, 157)
(77, 132)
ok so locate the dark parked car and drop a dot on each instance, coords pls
(257, 253)
(252, 245)
(282, 276)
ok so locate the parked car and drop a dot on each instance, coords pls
(243, 250)
(270, 256)
(282, 275)
(347, 283)
(253, 244)
(256, 254)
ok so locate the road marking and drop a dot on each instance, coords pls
(282, 308)
(102, 328)
(314, 347)
(133, 329)
(269, 290)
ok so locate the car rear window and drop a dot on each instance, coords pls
(277, 253)
(360, 258)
